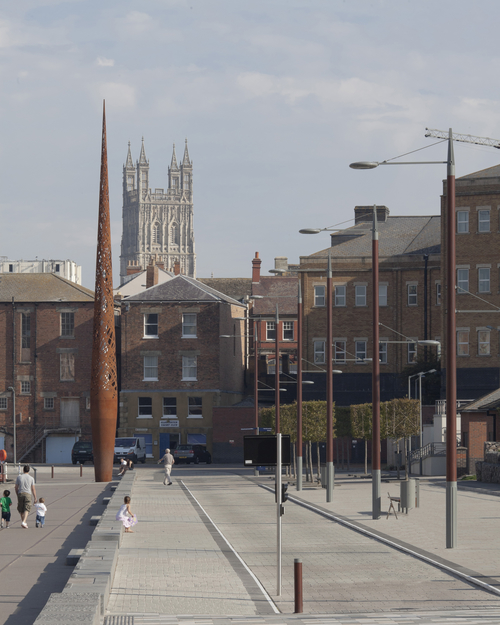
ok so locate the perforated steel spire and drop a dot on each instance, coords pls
(104, 383)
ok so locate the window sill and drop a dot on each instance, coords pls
(67, 380)
(145, 417)
(189, 380)
(151, 337)
(189, 336)
(24, 362)
(150, 380)
(71, 338)
(194, 417)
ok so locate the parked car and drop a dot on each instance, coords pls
(191, 453)
(130, 448)
(82, 451)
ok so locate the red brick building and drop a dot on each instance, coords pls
(176, 364)
(45, 356)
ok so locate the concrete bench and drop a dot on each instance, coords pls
(73, 556)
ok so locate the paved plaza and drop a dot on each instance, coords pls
(207, 546)
(204, 552)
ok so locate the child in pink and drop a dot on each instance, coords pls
(126, 516)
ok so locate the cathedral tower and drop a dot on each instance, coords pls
(158, 223)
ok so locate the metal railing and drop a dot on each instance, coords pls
(428, 451)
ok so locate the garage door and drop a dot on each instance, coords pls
(58, 449)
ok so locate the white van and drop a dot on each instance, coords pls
(131, 448)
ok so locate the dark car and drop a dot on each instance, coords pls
(191, 453)
(82, 451)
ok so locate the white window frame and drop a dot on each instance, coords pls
(196, 414)
(360, 346)
(483, 280)
(483, 220)
(360, 295)
(382, 352)
(462, 279)
(270, 330)
(189, 329)
(463, 341)
(319, 295)
(382, 294)
(150, 325)
(169, 406)
(150, 368)
(340, 295)
(319, 348)
(483, 342)
(190, 367)
(49, 403)
(4, 403)
(462, 222)
(438, 293)
(412, 290)
(147, 402)
(412, 352)
(288, 328)
(340, 350)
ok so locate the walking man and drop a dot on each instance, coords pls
(25, 487)
(168, 461)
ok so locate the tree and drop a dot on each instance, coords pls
(361, 424)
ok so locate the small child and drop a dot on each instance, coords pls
(126, 516)
(41, 510)
(6, 503)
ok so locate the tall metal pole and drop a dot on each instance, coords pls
(256, 379)
(104, 382)
(420, 376)
(13, 389)
(278, 515)
(376, 471)
(299, 389)
(277, 372)
(329, 382)
(451, 356)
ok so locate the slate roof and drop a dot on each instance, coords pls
(491, 400)
(41, 287)
(277, 291)
(398, 236)
(235, 288)
(181, 289)
(489, 172)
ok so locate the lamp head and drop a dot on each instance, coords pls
(310, 231)
(364, 165)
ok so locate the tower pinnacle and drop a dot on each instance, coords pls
(185, 158)
(173, 164)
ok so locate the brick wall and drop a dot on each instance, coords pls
(227, 432)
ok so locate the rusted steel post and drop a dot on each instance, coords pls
(81, 469)
(52, 471)
(299, 389)
(297, 578)
(103, 385)
(376, 467)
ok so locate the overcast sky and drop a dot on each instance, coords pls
(276, 98)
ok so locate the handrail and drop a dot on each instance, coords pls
(431, 449)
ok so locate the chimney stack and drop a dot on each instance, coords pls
(256, 263)
(177, 268)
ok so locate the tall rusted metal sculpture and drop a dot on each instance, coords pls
(104, 383)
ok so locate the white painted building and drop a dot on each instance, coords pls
(64, 268)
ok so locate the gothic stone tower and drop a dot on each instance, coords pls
(158, 224)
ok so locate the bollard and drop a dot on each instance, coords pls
(81, 469)
(52, 471)
(297, 578)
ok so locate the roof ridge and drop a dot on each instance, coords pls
(415, 237)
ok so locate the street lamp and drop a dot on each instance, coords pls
(11, 388)
(451, 348)
(419, 375)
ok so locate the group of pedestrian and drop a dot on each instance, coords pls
(25, 489)
(124, 465)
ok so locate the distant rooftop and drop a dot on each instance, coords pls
(41, 287)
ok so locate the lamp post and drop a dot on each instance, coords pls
(11, 388)
(420, 376)
(451, 350)
(299, 389)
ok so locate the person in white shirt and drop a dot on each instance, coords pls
(168, 461)
(41, 511)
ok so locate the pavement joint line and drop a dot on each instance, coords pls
(358, 528)
(252, 575)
